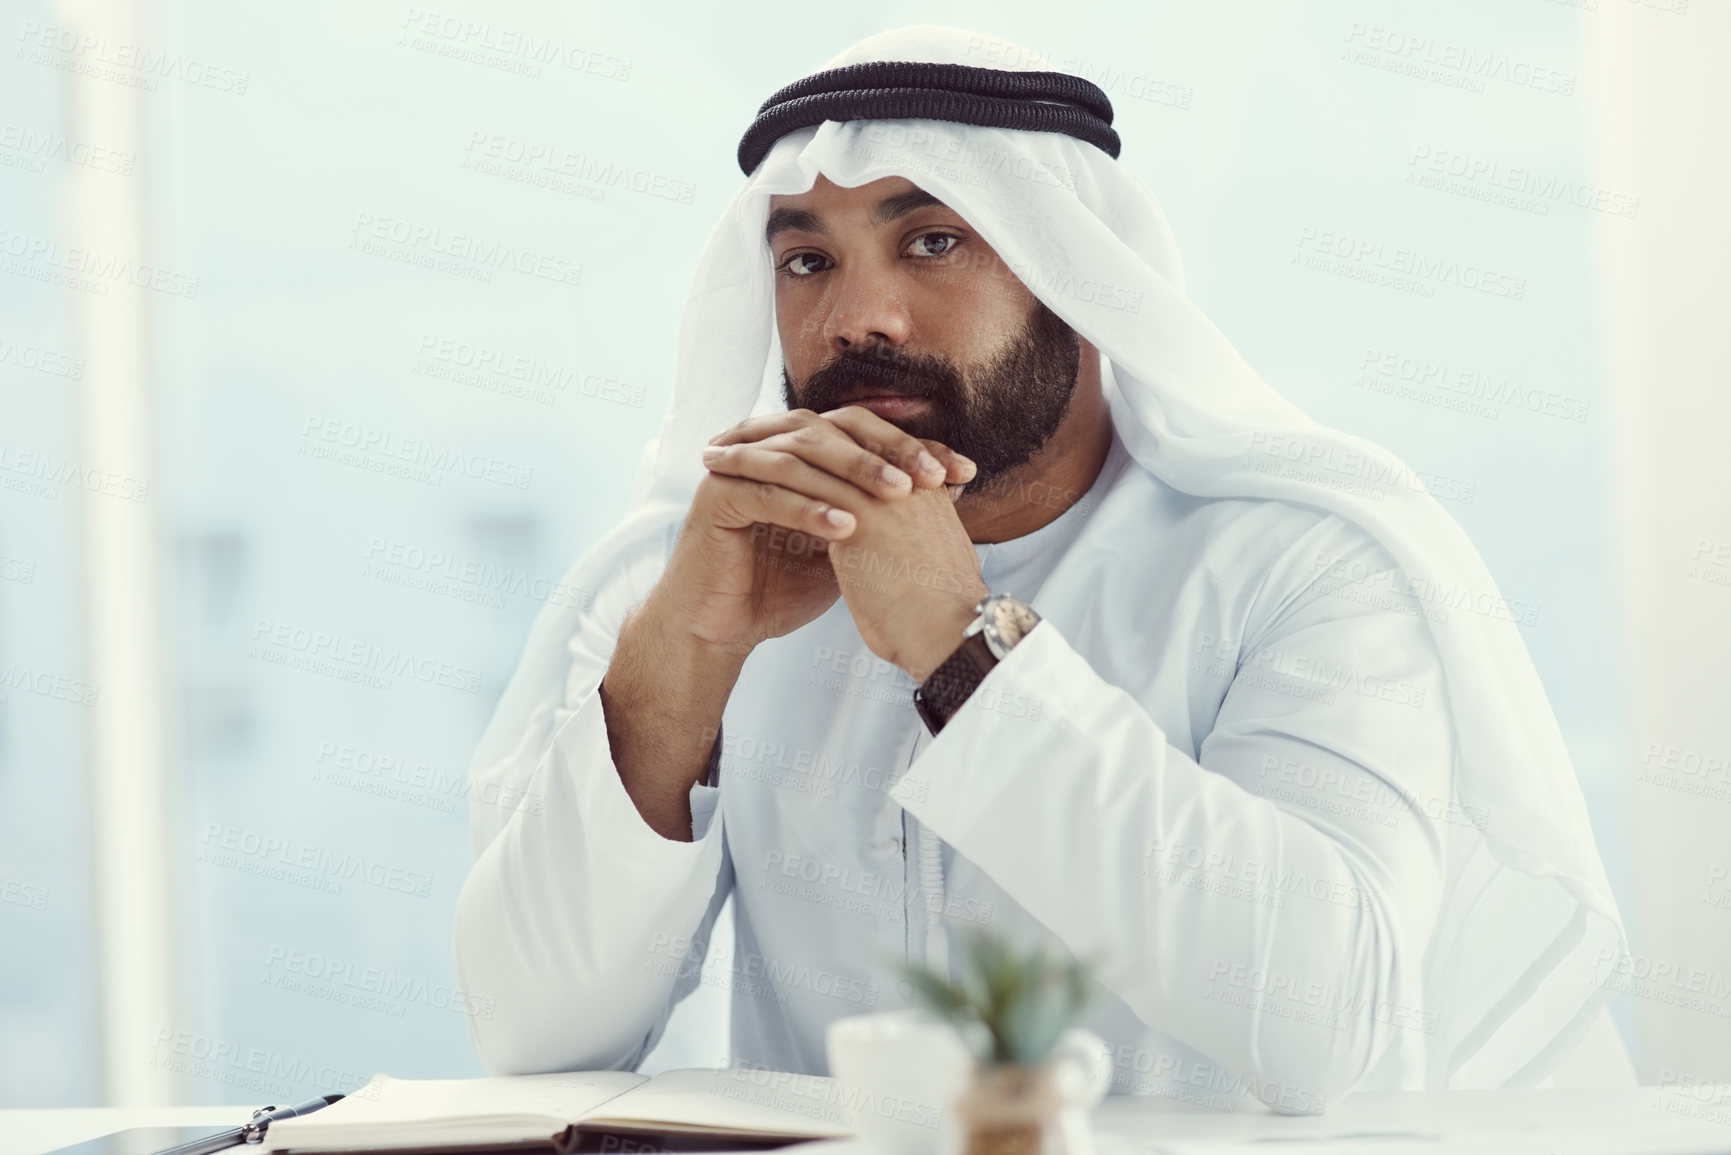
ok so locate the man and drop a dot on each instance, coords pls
(1022, 605)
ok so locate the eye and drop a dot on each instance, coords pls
(795, 265)
(934, 244)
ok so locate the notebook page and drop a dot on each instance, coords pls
(400, 1112)
(730, 1101)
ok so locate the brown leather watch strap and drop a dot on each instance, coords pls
(942, 694)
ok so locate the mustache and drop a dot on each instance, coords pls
(908, 376)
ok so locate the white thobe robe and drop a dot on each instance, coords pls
(1220, 767)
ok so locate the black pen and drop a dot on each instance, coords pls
(252, 1131)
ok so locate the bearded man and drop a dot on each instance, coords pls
(975, 583)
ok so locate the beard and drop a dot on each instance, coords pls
(997, 413)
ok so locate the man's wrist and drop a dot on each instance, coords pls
(1000, 625)
(659, 629)
(938, 639)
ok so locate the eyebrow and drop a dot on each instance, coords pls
(889, 209)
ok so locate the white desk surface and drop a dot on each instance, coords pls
(1645, 1120)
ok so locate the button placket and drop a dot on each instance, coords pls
(911, 948)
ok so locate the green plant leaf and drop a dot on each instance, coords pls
(937, 994)
(1010, 1005)
(1034, 1025)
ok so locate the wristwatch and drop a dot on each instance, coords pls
(1000, 622)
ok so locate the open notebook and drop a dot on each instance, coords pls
(555, 1111)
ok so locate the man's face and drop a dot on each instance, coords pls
(886, 297)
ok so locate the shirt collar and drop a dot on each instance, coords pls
(1056, 534)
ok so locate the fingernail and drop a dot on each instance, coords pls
(840, 518)
(929, 464)
(967, 461)
(712, 453)
(895, 476)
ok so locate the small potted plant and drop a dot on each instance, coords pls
(1012, 1008)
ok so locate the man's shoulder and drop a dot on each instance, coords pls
(1254, 535)
(1296, 562)
(1266, 550)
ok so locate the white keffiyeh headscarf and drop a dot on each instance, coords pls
(1528, 935)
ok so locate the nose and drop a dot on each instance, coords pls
(865, 309)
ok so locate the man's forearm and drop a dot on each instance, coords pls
(579, 926)
(663, 698)
(1123, 845)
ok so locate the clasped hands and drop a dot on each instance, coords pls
(885, 530)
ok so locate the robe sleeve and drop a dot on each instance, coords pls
(579, 925)
(1266, 899)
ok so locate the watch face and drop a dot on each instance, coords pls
(1010, 621)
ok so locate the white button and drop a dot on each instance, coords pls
(893, 845)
